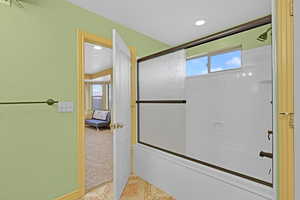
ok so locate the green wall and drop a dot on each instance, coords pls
(246, 39)
(38, 145)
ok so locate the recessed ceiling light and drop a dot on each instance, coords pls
(97, 47)
(200, 22)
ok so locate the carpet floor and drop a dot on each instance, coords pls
(136, 189)
(99, 157)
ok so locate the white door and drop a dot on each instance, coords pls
(121, 114)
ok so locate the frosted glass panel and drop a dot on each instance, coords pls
(228, 115)
(163, 125)
(162, 77)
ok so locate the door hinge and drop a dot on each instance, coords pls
(291, 7)
(291, 118)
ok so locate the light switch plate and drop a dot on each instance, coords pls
(6, 2)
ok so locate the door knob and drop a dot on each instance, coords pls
(120, 125)
(113, 126)
(116, 125)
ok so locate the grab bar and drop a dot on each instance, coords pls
(49, 102)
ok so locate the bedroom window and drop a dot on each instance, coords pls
(97, 97)
(214, 62)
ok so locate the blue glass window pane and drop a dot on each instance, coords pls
(197, 66)
(225, 61)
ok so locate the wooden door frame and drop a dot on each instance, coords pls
(102, 73)
(284, 19)
(83, 37)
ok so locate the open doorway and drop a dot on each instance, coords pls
(97, 109)
(112, 89)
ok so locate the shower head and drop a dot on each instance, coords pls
(264, 36)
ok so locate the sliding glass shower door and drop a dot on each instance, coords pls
(212, 104)
(161, 95)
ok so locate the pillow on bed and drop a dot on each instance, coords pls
(100, 114)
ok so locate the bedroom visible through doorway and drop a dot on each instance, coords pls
(123, 62)
(97, 108)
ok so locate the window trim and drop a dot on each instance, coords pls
(214, 53)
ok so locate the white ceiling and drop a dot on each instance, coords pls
(172, 21)
(97, 60)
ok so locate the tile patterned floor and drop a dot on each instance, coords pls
(136, 189)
